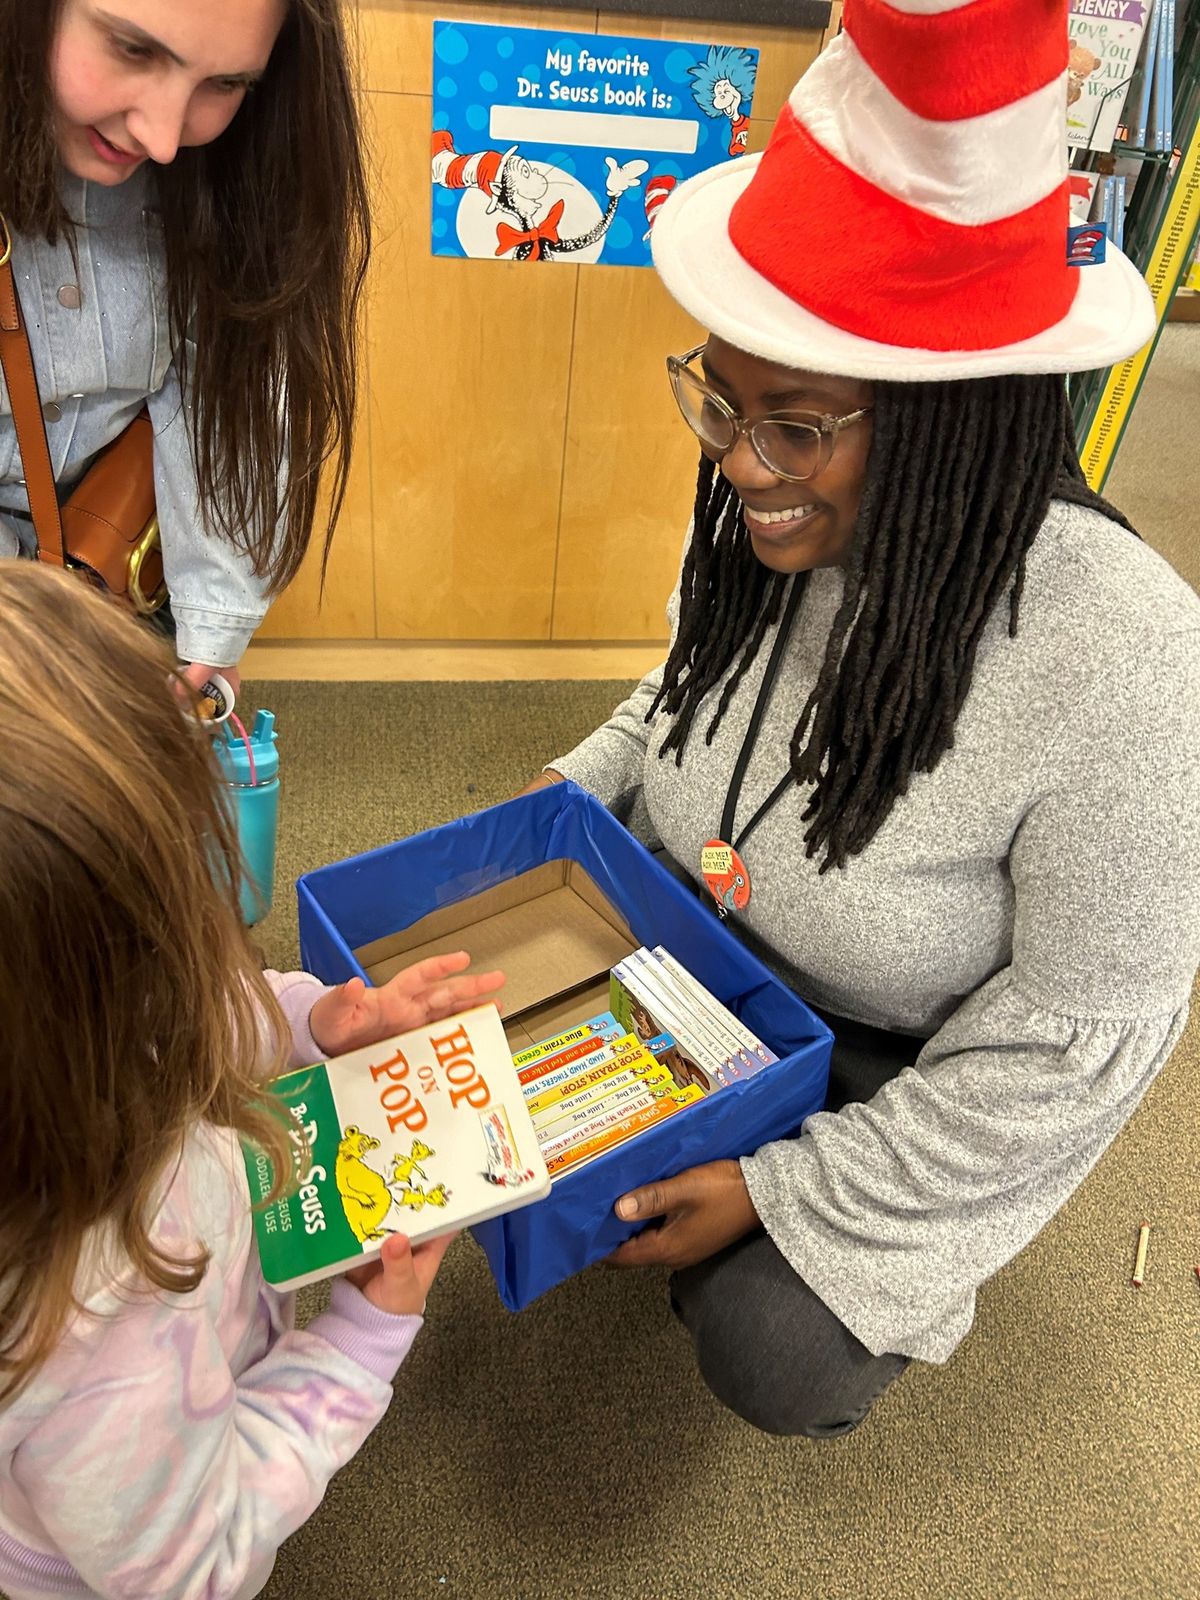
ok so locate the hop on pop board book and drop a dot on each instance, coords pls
(422, 1134)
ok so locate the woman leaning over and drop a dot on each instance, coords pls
(184, 190)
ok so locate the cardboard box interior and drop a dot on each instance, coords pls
(551, 930)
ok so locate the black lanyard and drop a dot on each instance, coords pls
(799, 583)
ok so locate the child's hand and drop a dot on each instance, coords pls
(353, 1016)
(399, 1281)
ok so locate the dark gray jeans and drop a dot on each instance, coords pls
(767, 1347)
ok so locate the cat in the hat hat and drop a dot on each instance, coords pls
(518, 188)
(930, 690)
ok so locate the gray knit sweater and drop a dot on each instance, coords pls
(1031, 907)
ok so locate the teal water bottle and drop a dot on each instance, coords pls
(251, 768)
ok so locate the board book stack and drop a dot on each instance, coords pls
(422, 1134)
(664, 1044)
(655, 991)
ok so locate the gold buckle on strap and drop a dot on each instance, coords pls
(7, 237)
(145, 605)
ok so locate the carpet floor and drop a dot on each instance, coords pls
(1150, 479)
(573, 1451)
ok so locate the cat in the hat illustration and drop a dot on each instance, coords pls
(722, 84)
(657, 190)
(518, 188)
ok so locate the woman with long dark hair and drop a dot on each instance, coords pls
(183, 186)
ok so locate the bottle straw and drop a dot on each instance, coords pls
(238, 724)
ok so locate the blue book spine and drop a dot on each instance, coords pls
(1106, 188)
(1158, 97)
(1118, 209)
(1097, 197)
(1166, 46)
(1140, 119)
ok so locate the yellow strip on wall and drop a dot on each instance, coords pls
(1167, 265)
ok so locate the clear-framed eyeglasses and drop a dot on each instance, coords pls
(794, 445)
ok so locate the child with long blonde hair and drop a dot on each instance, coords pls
(163, 1425)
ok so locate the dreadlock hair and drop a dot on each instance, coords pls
(958, 482)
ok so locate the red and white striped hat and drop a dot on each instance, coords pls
(908, 219)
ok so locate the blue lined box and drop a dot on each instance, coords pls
(383, 909)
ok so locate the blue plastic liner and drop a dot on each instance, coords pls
(353, 902)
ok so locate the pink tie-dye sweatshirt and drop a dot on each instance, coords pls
(172, 1443)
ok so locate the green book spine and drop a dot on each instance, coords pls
(306, 1231)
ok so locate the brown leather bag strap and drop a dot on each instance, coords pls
(16, 358)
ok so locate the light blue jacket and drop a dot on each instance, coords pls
(102, 350)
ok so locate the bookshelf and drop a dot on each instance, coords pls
(1162, 224)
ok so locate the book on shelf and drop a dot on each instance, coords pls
(1105, 41)
(1082, 186)
(423, 1134)
(1137, 105)
(1148, 120)
(1118, 210)
(1104, 206)
(1164, 121)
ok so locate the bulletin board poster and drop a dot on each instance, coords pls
(562, 146)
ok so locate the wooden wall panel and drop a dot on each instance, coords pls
(469, 364)
(520, 472)
(759, 133)
(346, 610)
(630, 469)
